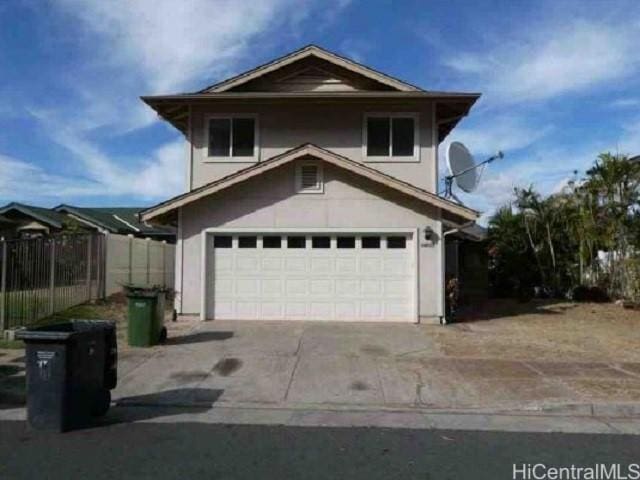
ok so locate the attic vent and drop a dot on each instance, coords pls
(309, 178)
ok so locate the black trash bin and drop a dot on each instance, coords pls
(71, 368)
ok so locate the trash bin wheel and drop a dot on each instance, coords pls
(163, 335)
(101, 402)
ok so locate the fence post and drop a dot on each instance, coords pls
(101, 264)
(131, 240)
(3, 288)
(89, 245)
(148, 244)
(164, 263)
(52, 274)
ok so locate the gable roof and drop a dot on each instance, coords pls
(450, 107)
(307, 52)
(308, 150)
(122, 220)
(43, 215)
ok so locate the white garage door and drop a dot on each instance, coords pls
(320, 276)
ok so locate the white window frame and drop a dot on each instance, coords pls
(390, 158)
(298, 175)
(230, 158)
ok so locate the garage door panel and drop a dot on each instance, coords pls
(296, 310)
(321, 310)
(344, 282)
(322, 286)
(223, 263)
(370, 265)
(346, 310)
(322, 265)
(395, 287)
(371, 287)
(371, 310)
(223, 309)
(272, 310)
(395, 265)
(396, 310)
(271, 264)
(271, 287)
(296, 264)
(348, 287)
(248, 264)
(346, 266)
(297, 286)
(247, 287)
(247, 310)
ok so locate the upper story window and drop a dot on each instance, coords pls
(232, 137)
(391, 137)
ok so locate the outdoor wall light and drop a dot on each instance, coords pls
(430, 236)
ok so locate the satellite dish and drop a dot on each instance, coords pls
(462, 167)
(463, 170)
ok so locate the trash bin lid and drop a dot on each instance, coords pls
(142, 294)
(60, 331)
(55, 332)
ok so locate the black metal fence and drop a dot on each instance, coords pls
(41, 276)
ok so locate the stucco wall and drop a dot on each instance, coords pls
(349, 201)
(336, 127)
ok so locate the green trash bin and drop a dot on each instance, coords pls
(146, 316)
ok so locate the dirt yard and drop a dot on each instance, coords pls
(545, 330)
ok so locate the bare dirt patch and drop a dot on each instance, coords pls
(544, 331)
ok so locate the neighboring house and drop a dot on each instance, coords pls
(122, 220)
(312, 194)
(28, 221)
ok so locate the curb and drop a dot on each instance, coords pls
(615, 411)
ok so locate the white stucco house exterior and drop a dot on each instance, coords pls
(312, 194)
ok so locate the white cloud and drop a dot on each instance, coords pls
(629, 143)
(159, 175)
(562, 58)
(625, 103)
(20, 180)
(506, 133)
(169, 43)
(145, 47)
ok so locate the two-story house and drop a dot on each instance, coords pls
(312, 194)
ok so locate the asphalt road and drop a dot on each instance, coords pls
(196, 450)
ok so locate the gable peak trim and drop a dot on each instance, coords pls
(305, 52)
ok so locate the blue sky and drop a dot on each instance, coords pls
(560, 82)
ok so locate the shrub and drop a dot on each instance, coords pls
(583, 293)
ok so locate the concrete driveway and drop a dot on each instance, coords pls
(333, 365)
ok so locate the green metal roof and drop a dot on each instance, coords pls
(44, 215)
(122, 220)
